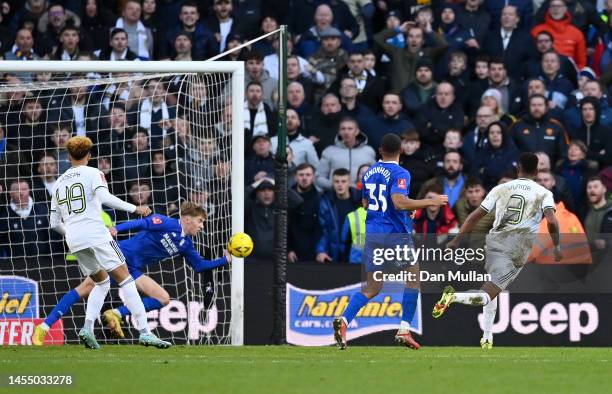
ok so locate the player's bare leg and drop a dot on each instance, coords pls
(82, 290)
(371, 290)
(94, 305)
(409, 300)
(488, 312)
(485, 297)
(482, 297)
(145, 285)
(134, 303)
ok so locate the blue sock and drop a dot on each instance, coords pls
(63, 306)
(148, 302)
(409, 303)
(358, 300)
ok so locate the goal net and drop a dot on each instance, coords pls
(163, 133)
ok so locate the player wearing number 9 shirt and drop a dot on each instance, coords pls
(519, 208)
(386, 187)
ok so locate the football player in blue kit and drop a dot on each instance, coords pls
(386, 187)
(159, 238)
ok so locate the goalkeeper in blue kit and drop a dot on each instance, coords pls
(159, 237)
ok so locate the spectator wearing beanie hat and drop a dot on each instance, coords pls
(585, 75)
(492, 98)
(419, 92)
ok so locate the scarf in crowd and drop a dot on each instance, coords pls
(260, 125)
(24, 55)
(146, 113)
(143, 48)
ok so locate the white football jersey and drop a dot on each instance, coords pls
(518, 205)
(73, 197)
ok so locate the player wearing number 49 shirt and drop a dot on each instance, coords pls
(386, 187)
(519, 206)
(76, 206)
(159, 238)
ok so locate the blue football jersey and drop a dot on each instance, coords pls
(160, 237)
(381, 181)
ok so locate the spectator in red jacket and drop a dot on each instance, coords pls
(435, 220)
(568, 39)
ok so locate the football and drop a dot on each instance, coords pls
(240, 245)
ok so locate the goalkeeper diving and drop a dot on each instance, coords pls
(159, 237)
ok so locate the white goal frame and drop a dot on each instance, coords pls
(180, 67)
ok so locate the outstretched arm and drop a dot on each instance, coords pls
(199, 264)
(106, 198)
(467, 226)
(136, 225)
(157, 222)
(403, 203)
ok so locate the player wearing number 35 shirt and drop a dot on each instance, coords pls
(519, 206)
(386, 187)
(76, 205)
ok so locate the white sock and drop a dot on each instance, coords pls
(44, 326)
(117, 313)
(94, 303)
(134, 304)
(474, 298)
(488, 314)
(404, 325)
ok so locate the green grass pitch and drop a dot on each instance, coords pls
(286, 369)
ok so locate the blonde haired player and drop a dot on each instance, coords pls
(159, 238)
(519, 207)
(76, 205)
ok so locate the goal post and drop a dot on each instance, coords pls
(223, 78)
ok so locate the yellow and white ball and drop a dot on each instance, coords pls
(240, 245)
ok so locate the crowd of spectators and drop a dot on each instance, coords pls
(467, 84)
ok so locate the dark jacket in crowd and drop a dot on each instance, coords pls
(24, 237)
(518, 52)
(376, 128)
(534, 67)
(547, 135)
(371, 95)
(576, 175)
(433, 122)
(572, 116)
(421, 169)
(253, 164)
(259, 222)
(492, 163)
(204, 43)
(331, 221)
(324, 127)
(301, 14)
(597, 137)
(474, 142)
(412, 98)
(304, 227)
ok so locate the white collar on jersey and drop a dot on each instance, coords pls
(389, 162)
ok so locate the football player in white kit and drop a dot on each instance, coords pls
(519, 207)
(76, 205)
